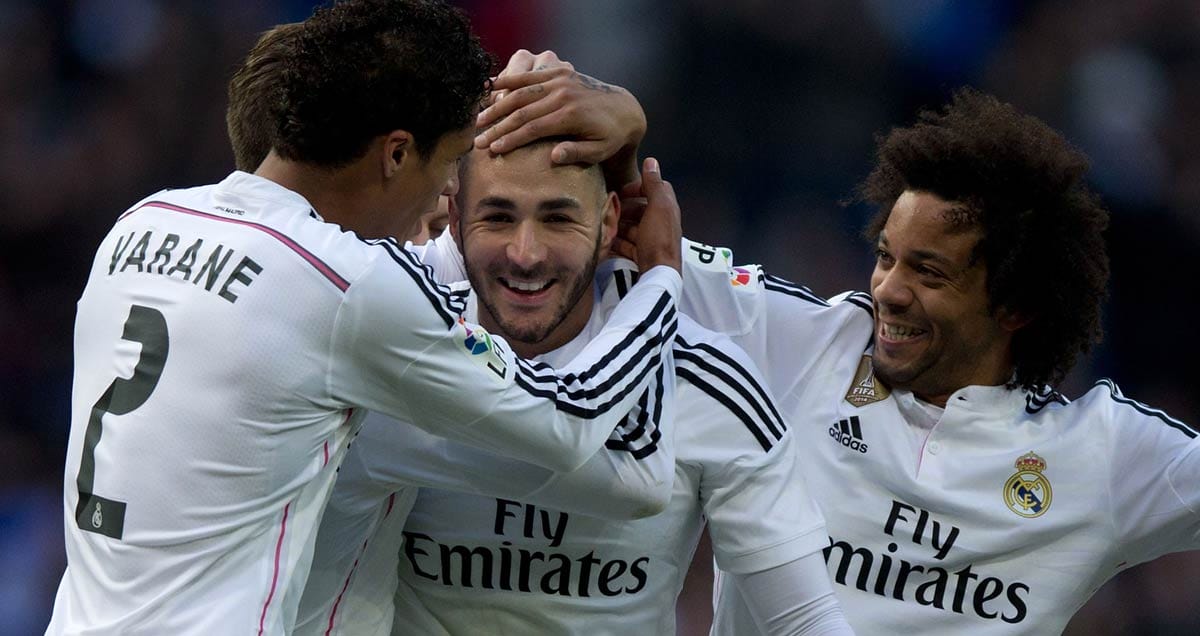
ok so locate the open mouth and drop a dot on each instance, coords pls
(526, 287)
(899, 333)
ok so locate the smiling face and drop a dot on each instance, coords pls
(531, 234)
(934, 330)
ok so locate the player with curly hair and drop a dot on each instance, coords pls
(962, 492)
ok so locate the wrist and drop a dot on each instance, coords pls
(621, 169)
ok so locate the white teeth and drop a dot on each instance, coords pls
(527, 286)
(900, 332)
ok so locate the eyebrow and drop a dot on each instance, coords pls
(559, 203)
(549, 205)
(924, 255)
(496, 202)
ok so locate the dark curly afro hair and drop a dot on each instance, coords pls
(363, 68)
(1023, 185)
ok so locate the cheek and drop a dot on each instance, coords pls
(876, 278)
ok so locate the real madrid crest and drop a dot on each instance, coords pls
(1027, 492)
(866, 389)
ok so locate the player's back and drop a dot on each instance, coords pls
(203, 430)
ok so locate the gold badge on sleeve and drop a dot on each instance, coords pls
(1027, 492)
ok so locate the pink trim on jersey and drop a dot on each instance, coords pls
(345, 586)
(275, 576)
(391, 502)
(326, 454)
(327, 271)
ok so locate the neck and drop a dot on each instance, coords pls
(337, 195)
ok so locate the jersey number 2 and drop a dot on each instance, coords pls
(147, 326)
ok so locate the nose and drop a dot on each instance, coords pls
(891, 288)
(526, 248)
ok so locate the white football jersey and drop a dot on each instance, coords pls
(1000, 514)
(472, 564)
(443, 258)
(353, 576)
(226, 344)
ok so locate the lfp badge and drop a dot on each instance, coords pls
(482, 348)
(1027, 492)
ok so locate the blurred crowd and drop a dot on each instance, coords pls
(763, 113)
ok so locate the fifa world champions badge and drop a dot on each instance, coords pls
(1027, 492)
(865, 389)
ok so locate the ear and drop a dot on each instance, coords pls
(454, 225)
(609, 218)
(1012, 321)
(398, 148)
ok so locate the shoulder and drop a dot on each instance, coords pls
(1106, 403)
(393, 276)
(722, 390)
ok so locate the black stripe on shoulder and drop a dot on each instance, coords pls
(1117, 396)
(684, 350)
(447, 306)
(555, 391)
(862, 301)
(668, 318)
(716, 394)
(783, 286)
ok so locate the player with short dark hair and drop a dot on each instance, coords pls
(232, 336)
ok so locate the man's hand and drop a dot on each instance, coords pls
(542, 96)
(656, 227)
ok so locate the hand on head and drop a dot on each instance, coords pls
(539, 96)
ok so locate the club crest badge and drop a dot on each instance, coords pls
(1028, 492)
(866, 389)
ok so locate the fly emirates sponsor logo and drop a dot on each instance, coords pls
(564, 572)
(962, 591)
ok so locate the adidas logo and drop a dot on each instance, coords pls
(848, 433)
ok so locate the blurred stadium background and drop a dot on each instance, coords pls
(762, 111)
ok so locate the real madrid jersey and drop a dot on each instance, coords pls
(352, 581)
(225, 345)
(1001, 514)
(473, 564)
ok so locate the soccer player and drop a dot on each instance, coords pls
(962, 493)
(248, 122)
(532, 234)
(231, 336)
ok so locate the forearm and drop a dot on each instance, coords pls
(793, 599)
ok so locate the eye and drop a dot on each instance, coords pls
(883, 258)
(496, 217)
(925, 270)
(558, 218)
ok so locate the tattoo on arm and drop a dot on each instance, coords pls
(593, 84)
